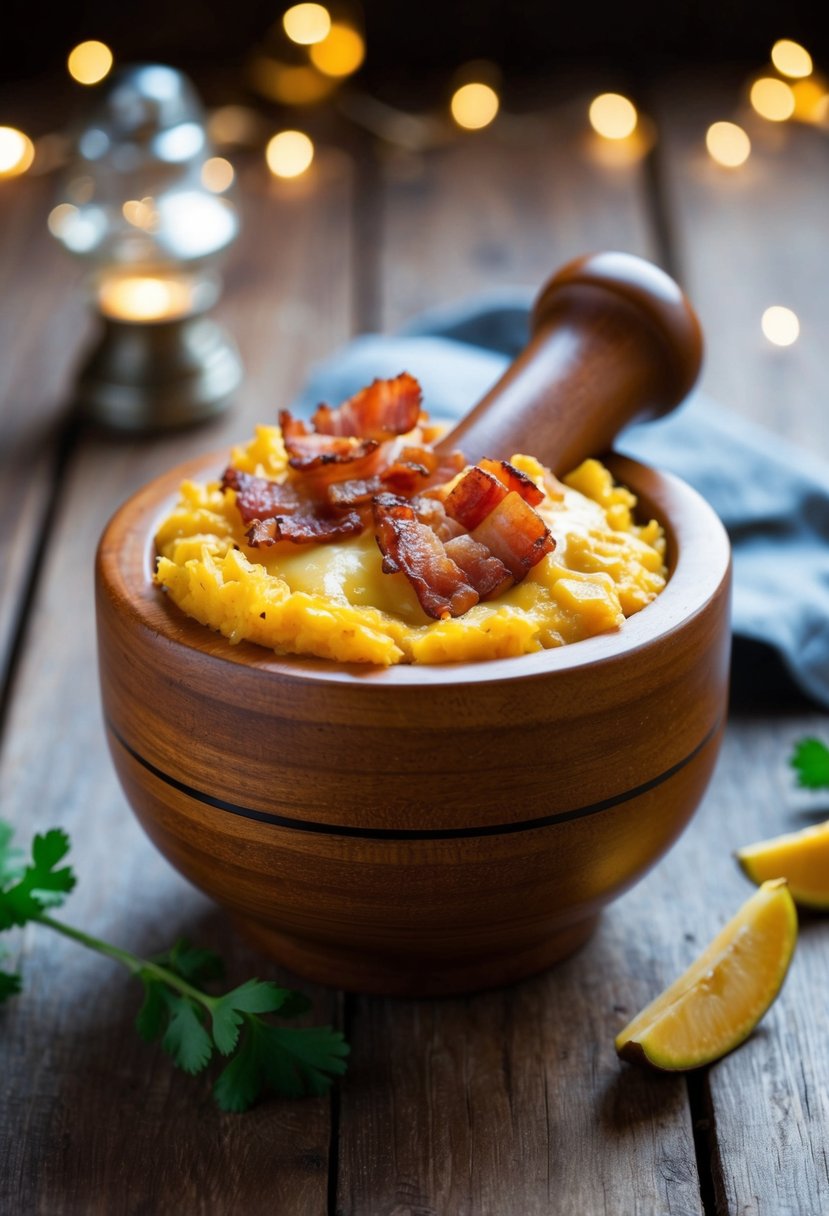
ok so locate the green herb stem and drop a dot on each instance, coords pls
(132, 962)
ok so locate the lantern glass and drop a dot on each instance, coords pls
(135, 201)
(150, 222)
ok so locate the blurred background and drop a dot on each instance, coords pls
(409, 51)
(412, 47)
(679, 117)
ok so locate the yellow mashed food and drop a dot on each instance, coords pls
(334, 601)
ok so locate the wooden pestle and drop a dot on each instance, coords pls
(614, 340)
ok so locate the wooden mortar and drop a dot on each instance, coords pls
(430, 830)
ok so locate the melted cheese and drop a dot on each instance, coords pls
(335, 602)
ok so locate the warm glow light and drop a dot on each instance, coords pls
(290, 84)
(772, 99)
(89, 62)
(780, 325)
(233, 125)
(790, 58)
(727, 144)
(474, 105)
(340, 53)
(141, 213)
(217, 174)
(307, 23)
(810, 99)
(289, 153)
(16, 152)
(145, 298)
(59, 216)
(613, 116)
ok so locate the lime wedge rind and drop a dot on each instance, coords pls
(802, 858)
(715, 1005)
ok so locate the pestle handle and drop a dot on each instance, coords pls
(614, 340)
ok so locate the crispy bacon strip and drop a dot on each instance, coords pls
(485, 572)
(514, 479)
(404, 478)
(411, 547)
(448, 467)
(431, 511)
(309, 450)
(455, 546)
(380, 411)
(356, 492)
(303, 529)
(516, 534)
(258, 497)
(473, 497)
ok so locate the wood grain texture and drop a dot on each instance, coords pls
(767, 1102)
(613, 341)
(503, 1103)
(499, 889)
(501, 208)
(91, 1120)
(42, 318)
(513, 1102)
(509, 1102)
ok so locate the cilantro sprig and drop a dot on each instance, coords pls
(193, 1025)
(810, 760)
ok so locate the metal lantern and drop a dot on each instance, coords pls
(144, 206)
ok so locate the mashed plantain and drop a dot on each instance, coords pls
(334, 601)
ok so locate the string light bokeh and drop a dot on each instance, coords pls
(89, 62)
(17, 152)
(310, 53)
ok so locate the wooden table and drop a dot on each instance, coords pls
(510, 1103)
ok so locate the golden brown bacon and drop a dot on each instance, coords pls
(485, 572)
(277, 512)
(473, 497)
(309, 450)
(380, 411)
(516, 534)
(431, 511)
(404, 477)
(303, 529)
(412, 548)
(456, 545)
(258, 497)
(514, 479)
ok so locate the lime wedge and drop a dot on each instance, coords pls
(722, 996)
(802, 858)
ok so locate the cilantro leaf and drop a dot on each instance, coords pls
(241, 1081)
(10, 984)
(41, 885)
(810, 760)
(290, 1062)
(192, 963)
(304, 1061)
(294, 1004)
(154, 1014)
(255, 996)
(185, 1038)
(176, 1008)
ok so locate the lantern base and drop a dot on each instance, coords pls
(161, 375)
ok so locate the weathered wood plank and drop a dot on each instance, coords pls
(42, 318)
(502, 208)
(512, 1101)
(748, 240)
(91, 1119)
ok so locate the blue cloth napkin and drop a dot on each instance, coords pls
(772, 497)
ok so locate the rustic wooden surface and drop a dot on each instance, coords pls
(504, 1104)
